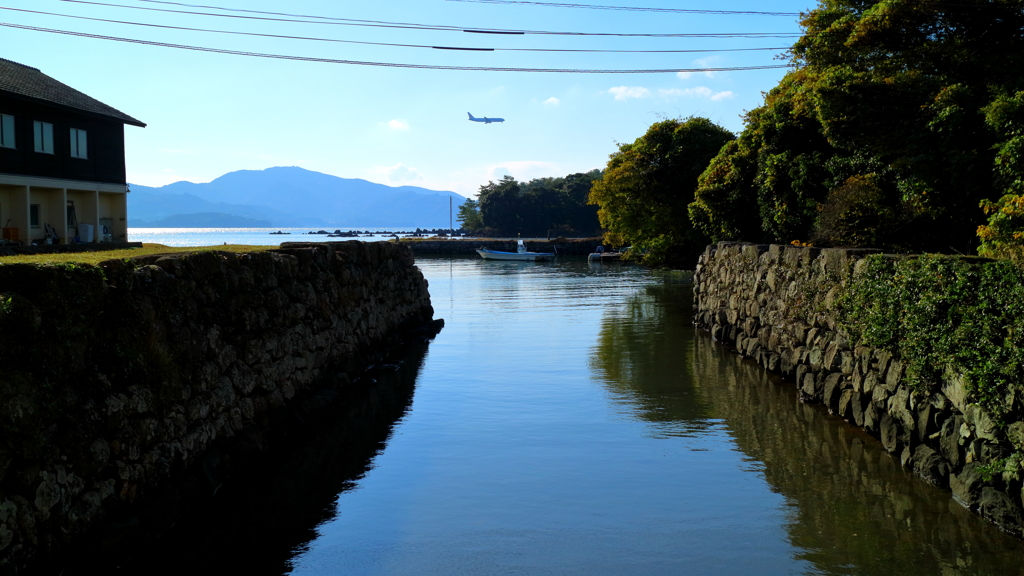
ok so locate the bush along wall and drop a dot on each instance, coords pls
(924, 352)
(118, 382)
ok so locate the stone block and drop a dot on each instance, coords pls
(930, 465)
(879, 395)
(995, 506)
(832, 392)
(846, 363)
(857, 402)
(894, 375)
(815, 358)
(982, 424)
(967, 485)
(857, 381)
(845, 410)
(925, 422)
(870, 381)
(889, 433)
(955, 389)
(1015, 433)
(872, 418)
(832, 359)
(809, 389)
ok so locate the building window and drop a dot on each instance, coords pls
(79, 146)
(44, 137)
(33, 215)
(6, 131)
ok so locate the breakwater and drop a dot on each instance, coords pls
(127, 388)
(794, 310)
(570, 247)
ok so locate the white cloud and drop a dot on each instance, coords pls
(696, 92)
(701, 63)
(398, 124)
(398, 173)
(552, 101)
(627, 92)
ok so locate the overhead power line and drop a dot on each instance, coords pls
(923, 3)
(628, 8)
(391, 44)
(301, 19)
(384, 64)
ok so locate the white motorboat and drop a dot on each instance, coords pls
(520, 254)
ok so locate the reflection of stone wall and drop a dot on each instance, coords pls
(776, 304)
(853, 510)
(117, 377)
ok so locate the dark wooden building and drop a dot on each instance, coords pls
(62, 170)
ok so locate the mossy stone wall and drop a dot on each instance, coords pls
(851, 329)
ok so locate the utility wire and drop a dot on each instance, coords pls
(470, 49)
(385, 64)
(924, 3)
(446, 28)
(625, 8)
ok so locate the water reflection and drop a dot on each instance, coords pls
(642, 355)
(852, 508)
(855, 509)
(266, 513)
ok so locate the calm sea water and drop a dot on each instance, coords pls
(569, 420)
(247, 236)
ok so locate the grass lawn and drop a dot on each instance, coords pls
(146, 250)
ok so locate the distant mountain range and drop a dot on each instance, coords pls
(288, 197)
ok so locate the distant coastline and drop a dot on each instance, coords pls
(201, 220)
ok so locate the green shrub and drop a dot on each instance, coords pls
(945, 314)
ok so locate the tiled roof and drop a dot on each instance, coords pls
(27, 81)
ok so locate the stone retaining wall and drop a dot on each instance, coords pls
(777, 305)
(114, 378)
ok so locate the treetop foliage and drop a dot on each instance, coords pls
(535, 208)
(648, 184)
(895, 118)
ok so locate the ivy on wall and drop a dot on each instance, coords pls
(939, 314)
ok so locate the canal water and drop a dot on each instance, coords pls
(569, 420)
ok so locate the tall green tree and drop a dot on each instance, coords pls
(648, 184)
(501, 206)
(540, 206)
(891, 100)
(768, 184)
(469, 217)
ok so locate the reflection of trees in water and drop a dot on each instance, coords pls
(643, 354)
(855, 510)
(271, 509)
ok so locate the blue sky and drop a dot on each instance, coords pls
(209, 114)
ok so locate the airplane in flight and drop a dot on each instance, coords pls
(485, 119)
